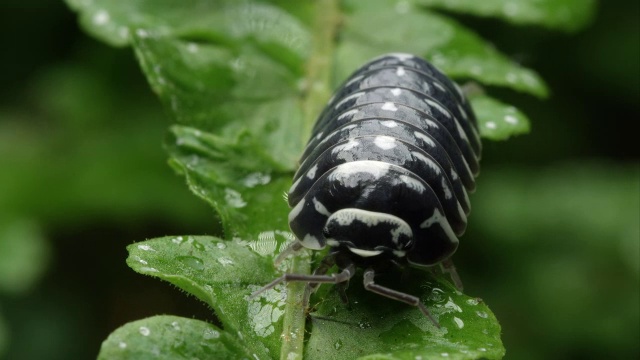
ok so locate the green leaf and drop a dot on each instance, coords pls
(242, 183)
(451, 47)
(24, 255)
(171, 337)
(497, 120)
(222, 274)
(379, 328)
(567, 15)
(230, 92)
(115, 21)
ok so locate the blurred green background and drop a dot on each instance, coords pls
(554, 239)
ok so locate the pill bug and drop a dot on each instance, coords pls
(385, 177)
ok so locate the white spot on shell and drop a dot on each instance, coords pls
(347, 113)
(400, 71)
(427, 140)
(389, 106)
(385, 142)
(311, 242)
(432, 124)
(357, 78)
(320, 208)
(296, 210)
(345, 147)
(427, 161)
(412, 183)
(447, 191)
(438, 107)
(344, 173)
(463, 113)
(348, 98)
(311, 174)
(396, 91)
(438, 218)
(365, 253)
(389, 123)
(295, 185)
(346, 217)
(439, 86)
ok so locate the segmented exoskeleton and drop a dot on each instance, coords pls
(386, 174)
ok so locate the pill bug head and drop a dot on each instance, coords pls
(368, 234)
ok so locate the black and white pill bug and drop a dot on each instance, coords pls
(385, 176)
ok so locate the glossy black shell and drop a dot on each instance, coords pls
(389, 165)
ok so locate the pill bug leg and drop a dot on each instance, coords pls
(448, 267)
(370, 285)
(342, 276)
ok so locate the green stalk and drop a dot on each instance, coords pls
(319, 65)
(318, 79)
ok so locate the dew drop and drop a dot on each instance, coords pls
(338, 345)
(234, 198)
(192, 262)
(225, 261)
(221, 246)
(175, 325)
(142, 33)
(196, 244)
(256, 178)
(210, 334)
(482, 314)
(145, 248)
(144, 331)
(101, 17)
(473, 301)
(511, 119)
(452, 305)
(122, 345)
(458, 322)
(177, 240)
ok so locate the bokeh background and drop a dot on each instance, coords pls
(554, 239)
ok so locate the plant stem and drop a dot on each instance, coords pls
(294, 312)
(318, 78)
(319, 65)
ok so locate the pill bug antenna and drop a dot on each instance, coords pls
(293, 248)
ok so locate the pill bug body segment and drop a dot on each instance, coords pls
(396, 148)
